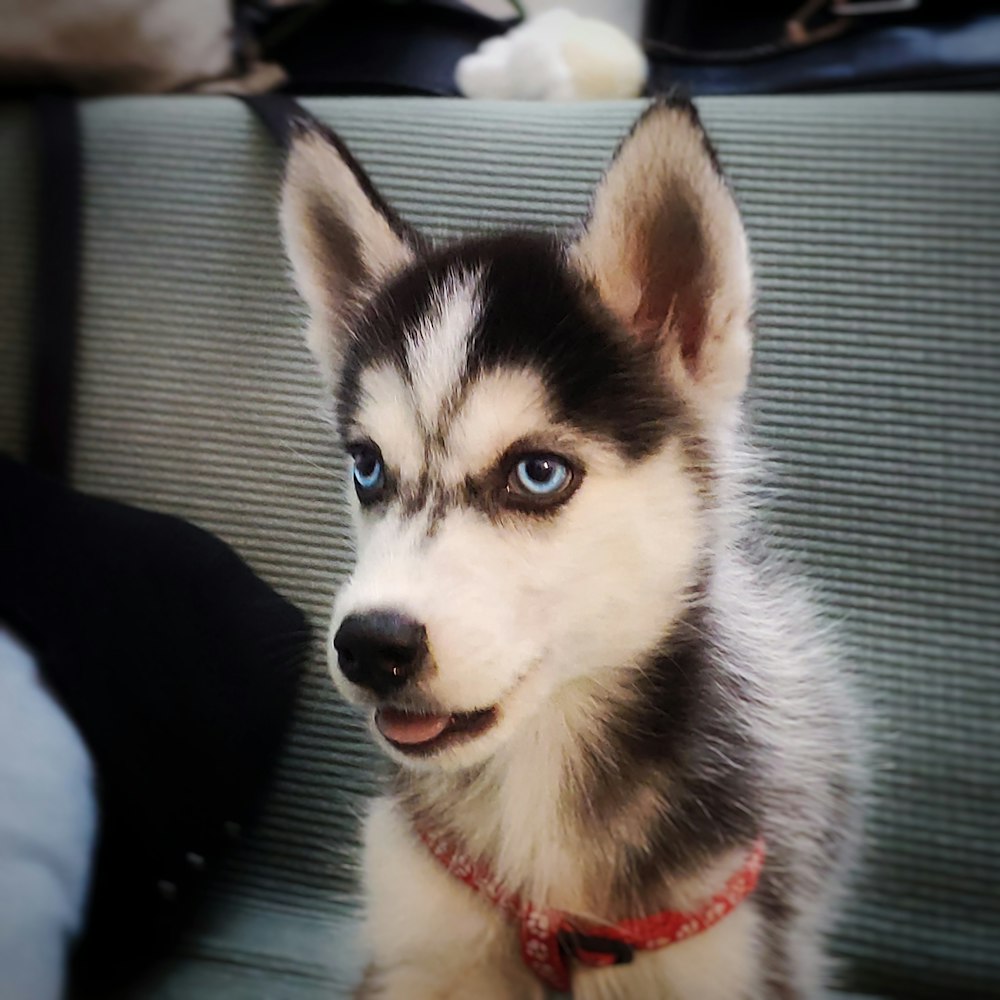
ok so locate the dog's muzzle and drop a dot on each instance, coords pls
(385, 653)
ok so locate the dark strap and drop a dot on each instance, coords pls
(279, 114)
(54, 316)
(55, 309)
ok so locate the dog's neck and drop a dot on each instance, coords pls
(604, 804)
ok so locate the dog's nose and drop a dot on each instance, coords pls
(380, 650)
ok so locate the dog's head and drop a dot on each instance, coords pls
(530, 422)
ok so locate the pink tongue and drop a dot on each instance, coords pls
(403, 727)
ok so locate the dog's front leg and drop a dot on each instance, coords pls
(430, 937)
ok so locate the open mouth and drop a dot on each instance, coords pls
(417, 734)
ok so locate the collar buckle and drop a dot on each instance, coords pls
(593, 949)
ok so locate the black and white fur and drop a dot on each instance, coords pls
(661, 693)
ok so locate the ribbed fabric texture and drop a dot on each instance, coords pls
(874, 223)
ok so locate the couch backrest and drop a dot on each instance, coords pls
(874, 223)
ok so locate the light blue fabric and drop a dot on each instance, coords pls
(48, 821)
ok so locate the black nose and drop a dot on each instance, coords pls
(380, 650)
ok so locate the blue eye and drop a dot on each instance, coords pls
(540, 476)
(369, 472)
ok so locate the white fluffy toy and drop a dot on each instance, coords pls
(556, 56)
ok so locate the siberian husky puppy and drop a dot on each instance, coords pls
(626, 760)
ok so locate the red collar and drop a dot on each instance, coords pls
(549, 938)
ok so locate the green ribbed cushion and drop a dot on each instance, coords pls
(874, 223)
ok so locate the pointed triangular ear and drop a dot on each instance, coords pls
(666, 250)
(341, 237)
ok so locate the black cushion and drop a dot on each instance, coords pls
(178, 666)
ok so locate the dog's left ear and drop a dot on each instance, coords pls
(341, 236)
(666, 250)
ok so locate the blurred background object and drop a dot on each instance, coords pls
(415, 46)
(124, 46)
(777, 47)
(555, 56)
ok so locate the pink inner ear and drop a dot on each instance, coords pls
(692, 333)
(673, 309)
(646, 329)
(672, 264)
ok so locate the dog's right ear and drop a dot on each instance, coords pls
(341, 237)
